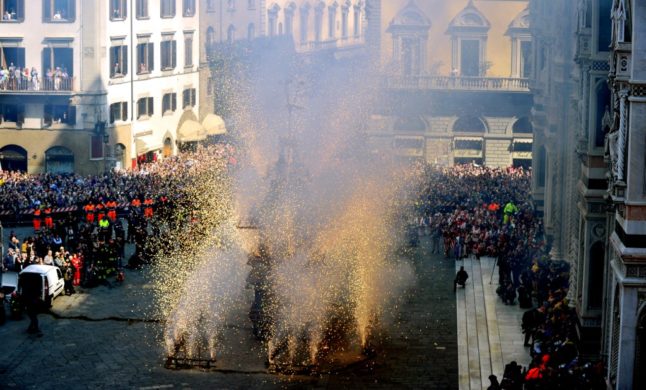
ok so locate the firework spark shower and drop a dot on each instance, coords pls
(327, 215)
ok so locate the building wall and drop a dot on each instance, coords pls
(131, 87)
(91, 36)
(440, 13)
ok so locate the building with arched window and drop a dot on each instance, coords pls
(457, 65)
(100, 74)
(588, 115)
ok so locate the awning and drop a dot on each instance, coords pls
(214, 125)
(144, 145)
(524, 140)
(191, 131)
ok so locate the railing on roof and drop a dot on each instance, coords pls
(458, 83)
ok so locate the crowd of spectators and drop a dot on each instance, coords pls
(98, 215)
(472, 210)
(17, 78)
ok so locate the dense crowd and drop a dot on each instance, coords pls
(472, 210)
(467, 210)
(100, 214)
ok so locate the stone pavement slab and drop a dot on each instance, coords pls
(102, 339)
(489, 332)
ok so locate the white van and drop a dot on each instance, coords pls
(43, 281)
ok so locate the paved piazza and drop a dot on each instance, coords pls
(100, 338)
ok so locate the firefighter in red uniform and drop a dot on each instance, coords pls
(89, 213)
(37, 220)
(100, 210)
(49, 221)
(148, 208)
(112, 210)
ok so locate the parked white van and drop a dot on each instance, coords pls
(43, 281)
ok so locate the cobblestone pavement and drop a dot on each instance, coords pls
(97, 339)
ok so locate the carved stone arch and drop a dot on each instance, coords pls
(602, 99)
(411, 16)
(469, 124)
(596, 275)
(470, 18)
(14, 158)
(521, 125)
(415, 123)
(59, 159)
(520, 23)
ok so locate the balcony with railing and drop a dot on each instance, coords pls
(459, 83)
(24, 85)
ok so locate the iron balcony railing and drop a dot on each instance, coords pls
(458, 83)
(24, 85)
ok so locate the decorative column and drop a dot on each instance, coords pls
(621, 143)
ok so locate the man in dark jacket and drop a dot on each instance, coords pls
(460, 278)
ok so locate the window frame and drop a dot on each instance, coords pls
(191, 9)
(188, 51)
(123, 112)
(169, 103)
(148, 102)
(170, 13)
(189, 98)
(173, 54)
(122, 58)
(98, 139)
(49, 13)
(19, 12)
(140, 7)
(123, 10)
(149, 57)
(69, 110)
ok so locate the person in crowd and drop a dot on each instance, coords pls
(460, 278)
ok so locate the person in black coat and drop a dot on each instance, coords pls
(460, 278)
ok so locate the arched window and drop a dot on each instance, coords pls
(603, 104)
(272, 16)
(13, 158)
(289, 19)
(595, 275)
(59, 159)
(168, 147)
(304, 19)
(345, 10)
(119, 156)
(410, 123)
(210, 36)
(318, 21)
(332, 20)
(231, 34)
(251, 31)
(469, 124)
(523, 126)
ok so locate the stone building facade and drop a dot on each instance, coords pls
(589, 157)
(117, 82)
(456, 87)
